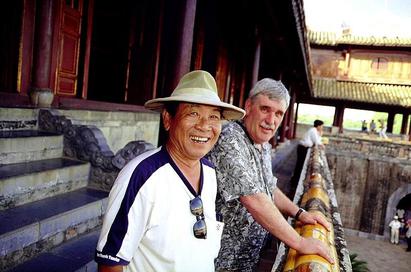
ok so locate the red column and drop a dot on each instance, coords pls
(409, 132)
(295, 121)
(285, 126)
(291, 125)
(178, 31)
(184, 46)
(256, 64)
(42, 45)
(404, 123)
(390, 121)
(339, 118)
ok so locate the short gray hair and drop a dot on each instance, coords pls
(274, 89)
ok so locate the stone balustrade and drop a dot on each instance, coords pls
(371, 146)
(88, 143)
(315, 193)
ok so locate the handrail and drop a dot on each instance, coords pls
(315, 193)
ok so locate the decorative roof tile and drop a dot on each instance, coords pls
(331, 38)
(386, 94)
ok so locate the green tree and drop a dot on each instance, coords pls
(358, 265)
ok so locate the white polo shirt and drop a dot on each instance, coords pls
(311, 137)
(148, 225)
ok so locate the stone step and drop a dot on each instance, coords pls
(22, 183)
(74, 255)
(37, 227)
(29, 145)
(18, 119)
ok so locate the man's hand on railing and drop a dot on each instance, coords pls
(311, 245)
(313, 218)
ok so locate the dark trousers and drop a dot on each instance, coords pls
(301, 153)
(409, 244)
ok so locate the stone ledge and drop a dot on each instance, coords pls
(32, 228)
(32, 181)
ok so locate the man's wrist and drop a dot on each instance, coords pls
(299, 212)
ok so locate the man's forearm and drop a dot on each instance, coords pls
(267, 215)
(263, 210)
(284, 204)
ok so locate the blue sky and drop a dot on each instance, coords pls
(365, 17)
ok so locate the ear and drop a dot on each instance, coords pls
(166, 119)
(247, 105)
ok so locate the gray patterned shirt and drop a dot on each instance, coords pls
(243, 168)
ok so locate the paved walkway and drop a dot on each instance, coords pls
(381, 256)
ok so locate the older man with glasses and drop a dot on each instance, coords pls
(161, 214)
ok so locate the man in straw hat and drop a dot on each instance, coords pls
(161, 214)
(248, 198)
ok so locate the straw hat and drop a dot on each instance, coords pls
(197, 87)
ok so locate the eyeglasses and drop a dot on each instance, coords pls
(199, 228)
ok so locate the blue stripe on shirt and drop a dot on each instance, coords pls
(140, 175)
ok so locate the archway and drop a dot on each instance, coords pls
(400, 199)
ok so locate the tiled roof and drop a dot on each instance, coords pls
(331, 38)
(298, 10)
(387, 94)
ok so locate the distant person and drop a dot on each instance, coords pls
(408, 234)
(383, 129)
(312, 137)
(395, 226)
(373, 127)
(364, 126)
(161, 210)
(400, 213)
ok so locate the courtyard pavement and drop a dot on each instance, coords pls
(381, 256)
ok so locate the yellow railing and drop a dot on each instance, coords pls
(314, 197)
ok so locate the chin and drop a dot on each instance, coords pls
(199, 153)
(265, 138)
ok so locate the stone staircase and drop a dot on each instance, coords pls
(49, 217)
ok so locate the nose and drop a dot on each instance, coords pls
(270, 118)
(203, 124)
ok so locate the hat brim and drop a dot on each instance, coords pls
(230, 112)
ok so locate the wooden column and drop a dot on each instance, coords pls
(339, 118)
(42, 45)
(404, 123)
(287, 124)
(295, 121)
(291, 126)
(256, 64)
(409, 132)
(178, 28)
(184, 41)
(285, 127)
(27, 43)
(390, 121)
(89, 31)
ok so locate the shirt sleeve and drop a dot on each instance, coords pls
(236, 168)
(125, 220)
(315, 137)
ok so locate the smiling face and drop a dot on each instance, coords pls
(263, 117)
(193, 131)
